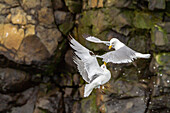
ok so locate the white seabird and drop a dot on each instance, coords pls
(122, 53)
(88, 67)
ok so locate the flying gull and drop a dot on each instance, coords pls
(88, 67)
(122, 53)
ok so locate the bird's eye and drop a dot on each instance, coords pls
(112, 43)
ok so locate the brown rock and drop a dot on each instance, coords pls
(69, 59)
(57, 4)
(5, 99)
(49, 37)
(11, 36)
(28, 4)
(13, 80)
(31, 49)
(4, 9)
(52, 102)
(30, 30)
(46, 3)
(27, 99)
(18, 16)
(12, 2)
(61, 17)
(45, 16)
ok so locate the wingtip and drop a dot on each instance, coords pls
(69, 37)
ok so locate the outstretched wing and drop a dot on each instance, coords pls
(81, 68)
(94, 39)
(86, 56)
(122, 55)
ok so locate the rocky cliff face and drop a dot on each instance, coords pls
(37, 74)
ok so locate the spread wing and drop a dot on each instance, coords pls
(122, 55)
(94, 39)
(87, 57)
(81, 68)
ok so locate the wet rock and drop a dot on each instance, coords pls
(159, 37)
(34, 18)
(88, 105)
(32, 50)
(156, 4)
(160, 104)
(29, 30)
(5, 102)
(118, 3)
(48, 13)
(131, 105)
(61, 17)
(160, 67)
(52, 102)
(87, 4)
(4, 9)
(73, 6)
(124, 89)
(11, 39)
(12, 2)
(138, 43)
(57, 4)
(18, 16)
(76, 79)
(140, 20)
(13, 80)
(66, 27)
(71, 106)
(29, 97)
(46, 3)
(67, 81)
(69, 58)
(49, 37)
(28, 4)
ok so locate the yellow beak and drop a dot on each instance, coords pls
(105, 63)
(110, 46)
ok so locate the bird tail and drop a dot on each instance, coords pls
(139, 55)
(87, 90)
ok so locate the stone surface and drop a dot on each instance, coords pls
(30, 98)
(62, 17)
(32, 50)
(73, 6)
(87, 4)
(49, 103)
(18, 16)
(13, 80)
(23, 19)
(49, 37)
(156, 4)
(132, 105)
(28, 4)
(57, 4)
(5, 100)
(118, 3)
(48, 14)
(11, 36)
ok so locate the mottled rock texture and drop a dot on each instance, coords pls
(37, 74)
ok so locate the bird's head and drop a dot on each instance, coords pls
(103, 66)
(112, 42)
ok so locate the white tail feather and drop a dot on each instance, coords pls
(139, 55)
(87, 90)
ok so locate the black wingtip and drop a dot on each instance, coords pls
(85, 35)
(69, 37)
